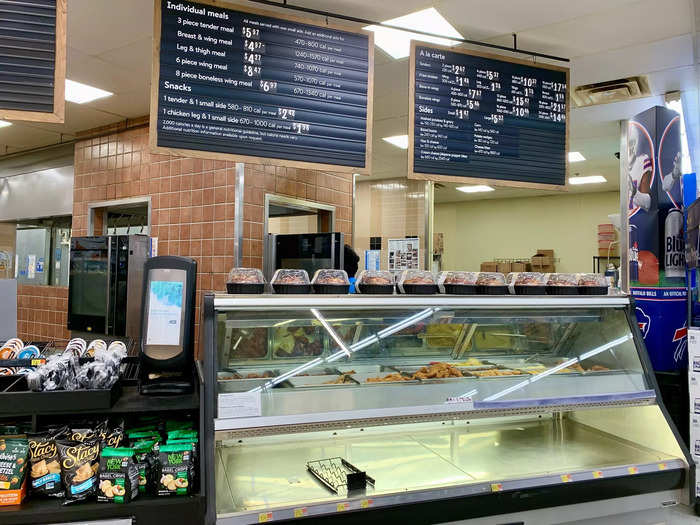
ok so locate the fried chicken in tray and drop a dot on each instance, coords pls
(438, 371)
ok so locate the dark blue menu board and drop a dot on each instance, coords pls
(244, 84)
(486, 118)
(27, 55)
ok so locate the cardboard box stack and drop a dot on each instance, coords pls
(543, 261)
(606, 240)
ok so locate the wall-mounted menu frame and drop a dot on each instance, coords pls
(441, 171)
(33, 60)
(343, 120)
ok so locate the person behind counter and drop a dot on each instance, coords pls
(350, 266)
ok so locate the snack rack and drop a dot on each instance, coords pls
(176, 510)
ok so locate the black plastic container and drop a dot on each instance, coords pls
(420, 289)
(562, 290)
(593, 290)
(529, 290)
(331, 289)
(460, 289)
(298, 289)
(376, 289)
(16, 398)
(245, 288)
(492, 290)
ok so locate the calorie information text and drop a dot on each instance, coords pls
(244, 84)
(486, 118)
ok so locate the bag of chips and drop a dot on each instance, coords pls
(45, 465)
(145, 464)
(79, 466)
(13, 462)
(174, 470)
(118, 478)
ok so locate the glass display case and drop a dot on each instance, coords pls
(403, 405)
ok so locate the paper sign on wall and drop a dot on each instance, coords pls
(373, 259)
(404, 254)
(31, 266)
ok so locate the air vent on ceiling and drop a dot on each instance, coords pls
(611, 91)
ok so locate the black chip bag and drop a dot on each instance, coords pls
(44, 465)
(79, 435)
(111, 438)
(79, 466)
(145, 464)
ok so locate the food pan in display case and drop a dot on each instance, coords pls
(514, 393)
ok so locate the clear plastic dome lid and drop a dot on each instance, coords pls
(490, 279)
(416, 277)
(245, 276)
(332, 277)
(592, 279)
(561, 279)
(526, 279)
(290, 277)
(375, 277)
(468, 278)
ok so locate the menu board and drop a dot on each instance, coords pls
(32, 60)
(245, 85)
(487, 118)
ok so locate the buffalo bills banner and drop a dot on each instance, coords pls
(656, 254)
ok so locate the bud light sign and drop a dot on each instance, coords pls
(656, 244)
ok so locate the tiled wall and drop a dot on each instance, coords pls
(390, 209)
(41, 313)
(192, 201)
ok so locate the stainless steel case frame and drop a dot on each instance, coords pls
(456, 502)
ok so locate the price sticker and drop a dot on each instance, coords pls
(663, 466)
(566, 478)
(597, 474)
(633, 470)
(37, 362)
(342, 507)
(300, 513)
(496, 487)
(366, 503)
(264, 517)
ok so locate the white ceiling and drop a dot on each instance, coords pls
(109, 46)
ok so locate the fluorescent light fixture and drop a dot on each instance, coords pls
(474, 189)
(400, 141)
(677, 106)
(4, 123)
(575, 156)
(590, 179)
(82, 93)
(397, 43)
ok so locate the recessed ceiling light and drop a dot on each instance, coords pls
(590, 179)
(400, 141)
(397, 43)
(575, 156)
(82, 93)
(474, 189)
(4, 123)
